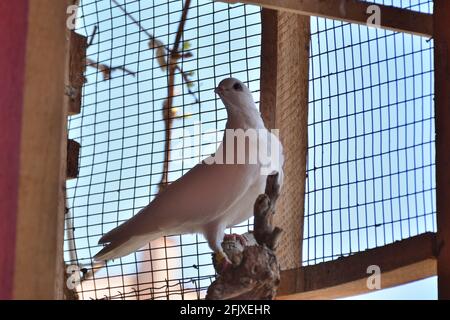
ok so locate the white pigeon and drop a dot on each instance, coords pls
(212, 196)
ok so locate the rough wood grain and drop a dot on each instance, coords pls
(73, 152)
(354, 11)
(400, 262)
(40, 224)
(442, 106)
(77, 68)
(284, 106)
(265, 233)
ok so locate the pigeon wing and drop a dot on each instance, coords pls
(197, 198)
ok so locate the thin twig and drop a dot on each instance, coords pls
(92, 37)
(107, 70)
(133, 19)
(187, 80)
(153, 38)
(181, 27)
(168, 104)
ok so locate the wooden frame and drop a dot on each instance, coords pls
(37, 220)
(31, 258)
(400, 262)
(38, 272)
(354, 11)
(284, 105)
(415, 258)
(442, 103)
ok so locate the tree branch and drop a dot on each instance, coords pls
(168, 104)
(134, 20)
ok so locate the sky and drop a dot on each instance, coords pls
(370, 166)
(371, 178)
(419, 290)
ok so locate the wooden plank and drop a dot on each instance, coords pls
(13, 38)
(284, 105)
(442, 107)
(354, 11)
(40, 224)
(400, 262)
(417, 271)
(269, 63)
(77, 67)
(73, 152)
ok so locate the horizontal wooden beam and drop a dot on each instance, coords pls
(354, 11)
(400, 262)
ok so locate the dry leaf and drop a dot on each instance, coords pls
(160, 52)
(107, 70)
(104, 69)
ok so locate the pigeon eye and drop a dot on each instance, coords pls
(237, 86)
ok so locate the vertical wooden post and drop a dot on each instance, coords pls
(13, 27)
(442, 107)
(36, 115)
(284, 106)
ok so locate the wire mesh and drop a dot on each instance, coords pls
(122, 133)
(371, 156)
(370, 173)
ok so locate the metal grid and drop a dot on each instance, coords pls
(121, 131)
(371, 156)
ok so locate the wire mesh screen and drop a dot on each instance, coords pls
(123, 132)
(371, 159)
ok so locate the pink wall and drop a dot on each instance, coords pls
(13, 38)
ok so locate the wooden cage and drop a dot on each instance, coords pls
(39, 92)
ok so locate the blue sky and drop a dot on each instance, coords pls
(371, 178)
(371, 132)
(419, 290)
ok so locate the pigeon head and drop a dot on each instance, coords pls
(234, 92)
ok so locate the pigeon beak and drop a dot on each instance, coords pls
(219, 90)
